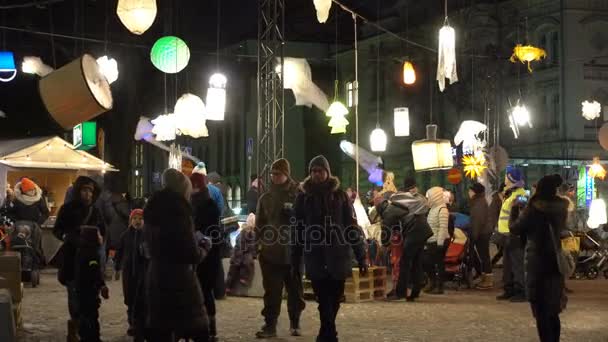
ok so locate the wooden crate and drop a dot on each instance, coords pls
(359, 296)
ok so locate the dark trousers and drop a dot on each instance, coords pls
(410, 268)
(435, 262)
(220, 283)
(89, 317)
(329, 292)
(208, 273)
(513, 266)
(161, 335)
(548, 324)
(73, 304)
(274, 279)
(482, 262)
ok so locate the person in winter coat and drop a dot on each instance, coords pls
(539, 226)
(438, 220)
(116, 212)
(272, 231)
(493, 215)
(513, 259)
(405, 214)
(242, 267)
(90, 283)
(207, 223)
(326, 235)
(81, 211)
(130, 261)
(480, 234)
(252, 195)
(29, 204)
(173, 295)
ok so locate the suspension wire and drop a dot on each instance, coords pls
(4, 31)
(30, 4)
(52, 28)
(219, 25)
(378, 70)
(105, 33)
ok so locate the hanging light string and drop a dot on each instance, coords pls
(105, 30)
(378, 70)
(356, 101)
(52, 28)
(431, 91)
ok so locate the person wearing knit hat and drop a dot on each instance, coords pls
(481, 233)
(274, 215)
(323, 207)
(29, 204)
(409, 185)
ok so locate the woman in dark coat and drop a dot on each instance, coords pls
(29, 204)
(173, 296)
(207, 222)
(546, 214)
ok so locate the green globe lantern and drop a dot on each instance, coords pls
(170, 54)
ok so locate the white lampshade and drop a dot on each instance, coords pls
(190, 116)
(336, 108)
(216, 97)
(136, 15)
(446, 61)
(432, 153)
(164, 127)
(591, 110)
(597, 213)
(109, 68)
(378, 140)
(402, 122)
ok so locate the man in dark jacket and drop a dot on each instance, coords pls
(252, 195)
(272, 230)
(325, 233)
(480, 235)
(79, 212)
(405, 213)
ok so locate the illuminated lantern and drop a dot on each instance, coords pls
(591, 110)
(338, 124)
(454, 176)
(136, 15)
(337, 108)
(446, 62)
(474, 165)
(322, 7)
(164, 128)
(175, 157)
(8, 71)
(109, 68)
(170, 54)
(409, 74)
(378, 140)
(597, 213)
(190, 116)
(596, 170)
(432, 153)
(402, 122)
(216, 97)
(34, 65)
(527, 54)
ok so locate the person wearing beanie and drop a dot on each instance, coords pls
(272, 230)
(206, 215)
(481, 232)
(513, 258)
(540, 224)
(173, 296)
(326, 226)
(130, 260)
(29, 204)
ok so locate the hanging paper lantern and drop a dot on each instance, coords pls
(170, 54)
(446, 62)
(454, 176)
(527, 54)
(109, 68)
(596, 170)
(337, 108)
(591, 110)
(402, 122)
(164, 127)
(190, 116)
(474, 165)
(597, 213)
(521, 115)
(136, 15)
(34, 65)
(322, 7)
(298, 78)
(378, 140)
(602, 136)
(338, 124)
(175, 157)
(409, 74)
(216, 97)
(432, 153)
(8, 71)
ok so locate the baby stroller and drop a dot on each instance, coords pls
(26, 238)
(458, 263)
(593, 256)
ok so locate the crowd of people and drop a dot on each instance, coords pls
(169, 252)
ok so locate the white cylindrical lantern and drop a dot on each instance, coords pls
(216, 97)
(402, 122)
(432, 153)
(76, 92)
(378, 140)
(597, 213)
(136, 15)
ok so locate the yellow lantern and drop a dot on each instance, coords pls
(409, 74)
(596, 170)
(474, 165)
(527, 54)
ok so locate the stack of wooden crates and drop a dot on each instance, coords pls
(10, 278)
(359, 288)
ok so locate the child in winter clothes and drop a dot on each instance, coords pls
(90, 283)
(436, 245)
(240, 274)
(130, 260)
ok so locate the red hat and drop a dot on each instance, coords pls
(27, 185)
(199, 181)
(136, 212)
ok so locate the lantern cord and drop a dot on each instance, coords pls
(165, 81)
(336, 12)
(356, 102)
(30, 4)
(52, 28)
(105, 33)
(431, 91)
(472, 86)
(219, 20)
(445, 7)
(4, 31)
(378, 70)
(82, 24)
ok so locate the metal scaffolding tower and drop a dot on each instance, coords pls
(270, 93)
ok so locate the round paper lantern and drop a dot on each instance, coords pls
(602, 136)
(190, 116)
(378, 140)
(454, 176)
(136, 15)
(170, 54)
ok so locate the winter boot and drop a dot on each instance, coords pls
(212, 329)
(487, 282)
(294, 328)
(267, 331)
(72, 331)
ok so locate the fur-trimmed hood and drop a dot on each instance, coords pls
(332, 184)
(80, 182)
(25, 199)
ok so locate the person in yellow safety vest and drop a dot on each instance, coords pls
(513, 259)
